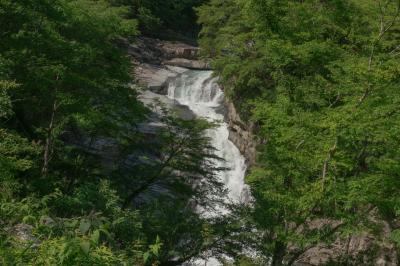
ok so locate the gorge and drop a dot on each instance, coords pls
(197, 89)
(200, 132)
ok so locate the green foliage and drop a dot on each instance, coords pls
(156, 18)
(5, 101)
(396, 237)
(69, 125)
(320, 80)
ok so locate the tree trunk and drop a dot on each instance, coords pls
(279, 253)
(49, 141)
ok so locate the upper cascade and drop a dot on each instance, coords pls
(199, 90)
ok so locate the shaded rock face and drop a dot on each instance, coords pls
(241, 134)
(179, 50)
(361, 248)
(157, 62)
(190, 64)
(156, 51)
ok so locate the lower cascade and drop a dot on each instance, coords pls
(200, 92)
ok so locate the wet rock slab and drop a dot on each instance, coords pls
(156, 77)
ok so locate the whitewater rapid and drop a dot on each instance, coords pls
(200, 92)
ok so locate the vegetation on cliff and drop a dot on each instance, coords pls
(320, 79)
(81, 184)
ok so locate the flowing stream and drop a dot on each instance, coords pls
(200, 92)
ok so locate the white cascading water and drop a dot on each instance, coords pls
(200, 92)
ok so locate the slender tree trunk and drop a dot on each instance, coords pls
(331, 153)
(279, 253)
(49, 141)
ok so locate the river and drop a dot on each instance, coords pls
(200, 92)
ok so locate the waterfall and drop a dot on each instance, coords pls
(200, 92)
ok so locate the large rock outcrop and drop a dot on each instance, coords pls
(157, 61)
(359, 248)
(156, 51)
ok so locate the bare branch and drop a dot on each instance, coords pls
(331, 153)
(48, 148)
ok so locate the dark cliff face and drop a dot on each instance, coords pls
(242, 134)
